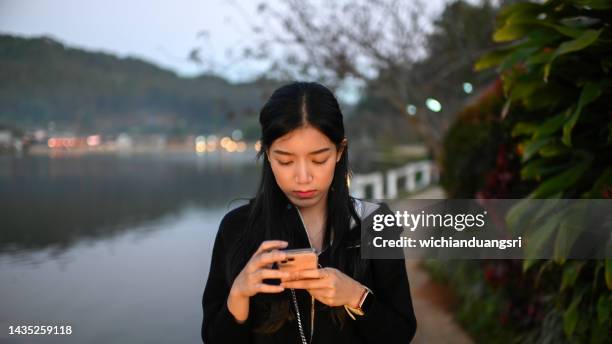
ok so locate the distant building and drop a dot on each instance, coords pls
(10, 143)
(124, 141)
(6, 138)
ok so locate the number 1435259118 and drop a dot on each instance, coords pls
(39, 330)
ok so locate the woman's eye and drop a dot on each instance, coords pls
(284, 163)
(320, 162)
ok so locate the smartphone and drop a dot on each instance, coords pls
(299, 259)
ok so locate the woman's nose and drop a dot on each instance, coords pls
(302, 175)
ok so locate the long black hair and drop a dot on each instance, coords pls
(291, 107)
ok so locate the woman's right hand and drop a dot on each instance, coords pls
(250, 280)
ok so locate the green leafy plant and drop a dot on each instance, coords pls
(556, 67)
(555, 61)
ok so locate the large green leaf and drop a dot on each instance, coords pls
(491, 59)
(534, 146)
(516, 216)
(551, 125)
(539, 58)
(540, 168)
(570, 228)
(527, 263)
(536, 238)
(570, 317)
(570, 274)
(511, 32)
(553, 149)
(547, 97)
(524, 89)
(599, 266)
(524, 128)
(510, 19)
(541, 37)
(564, 30)
(586, 39)
(589, 93)
(546, 209)
(608, 273)
(534, 41)
(539, 234)
(540, 213)
(526, 9)
(604, 308)
(533, 169)
(562, 181)
(518, 55)
(526, 212)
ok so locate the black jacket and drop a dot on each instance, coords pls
(389, 319)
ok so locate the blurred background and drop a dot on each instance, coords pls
(128, 129)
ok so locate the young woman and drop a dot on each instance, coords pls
(303, 201)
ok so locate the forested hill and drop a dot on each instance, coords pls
(42, 81)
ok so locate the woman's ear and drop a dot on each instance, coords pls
(343, 144)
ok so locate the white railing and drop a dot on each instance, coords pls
(385, 184)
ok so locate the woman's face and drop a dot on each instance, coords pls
(303, 163)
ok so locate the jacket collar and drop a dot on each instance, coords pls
(364, 209)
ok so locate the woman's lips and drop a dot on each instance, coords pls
(305, 194)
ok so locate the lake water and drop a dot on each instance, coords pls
(118, 247)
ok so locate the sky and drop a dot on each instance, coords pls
(162, 32)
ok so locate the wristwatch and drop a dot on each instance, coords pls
(364, 304)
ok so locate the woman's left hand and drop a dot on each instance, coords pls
(328, 285)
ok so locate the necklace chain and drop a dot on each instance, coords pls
(295, 303)
(299, 320)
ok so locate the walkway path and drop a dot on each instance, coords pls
(431, 300)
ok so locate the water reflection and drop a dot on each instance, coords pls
(117, 247)
(141, 286)
(54, 202)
